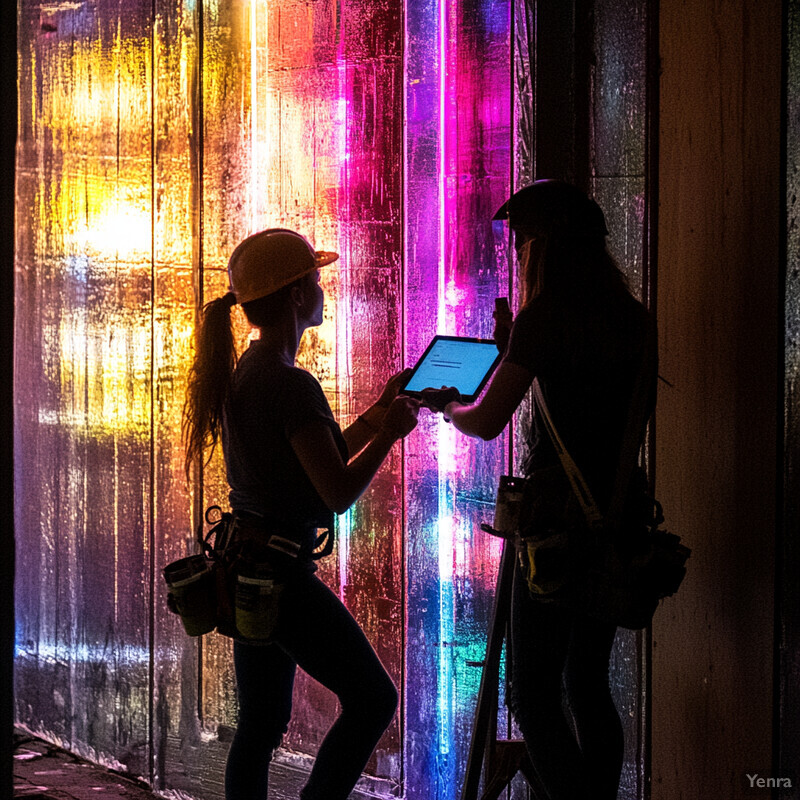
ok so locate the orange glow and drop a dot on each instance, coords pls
(116, 233)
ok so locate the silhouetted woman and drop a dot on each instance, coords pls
(582, 334)
(290, 467)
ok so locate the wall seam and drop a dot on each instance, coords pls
(153, 406)
(650, 290)
(782, 397)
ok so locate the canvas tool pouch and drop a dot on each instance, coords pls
(256, 599)
(197, 585)
(550, 545)
(258, 563)
(192, 593)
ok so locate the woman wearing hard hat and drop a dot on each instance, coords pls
(290, 468)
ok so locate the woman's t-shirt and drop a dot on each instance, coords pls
(269, 402)
(587, 358)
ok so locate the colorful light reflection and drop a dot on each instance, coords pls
(147, 155)
(453, 270)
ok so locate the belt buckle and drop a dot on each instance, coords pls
(284, 545)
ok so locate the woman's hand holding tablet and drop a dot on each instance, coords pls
(437, 399)
(456, 362)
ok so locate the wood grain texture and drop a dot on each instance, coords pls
(716, 451)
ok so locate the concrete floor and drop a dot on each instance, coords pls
(44, 772)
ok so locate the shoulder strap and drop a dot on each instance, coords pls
(574, 475)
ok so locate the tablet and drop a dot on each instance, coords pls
(454, 361)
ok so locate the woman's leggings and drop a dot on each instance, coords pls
(558, 656)
(317, 633)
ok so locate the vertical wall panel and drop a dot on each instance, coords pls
(618, 127)
(176, 728)
(457, 167)
(618, 147)
(83, 397)
(222, 124)
(369, 329)
(522, 173)
(316, 149)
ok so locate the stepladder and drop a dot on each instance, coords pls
(498, 759)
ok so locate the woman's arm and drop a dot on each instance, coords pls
(487, 418)
(339, 484)
(368, 423)
(358, 434)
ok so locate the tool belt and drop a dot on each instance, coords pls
(235, 586)
(256, 534)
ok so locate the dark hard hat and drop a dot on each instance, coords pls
(549, 204)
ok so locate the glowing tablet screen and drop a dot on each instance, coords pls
(454, 361)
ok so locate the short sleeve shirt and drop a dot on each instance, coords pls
(587, 359)
(269, 402)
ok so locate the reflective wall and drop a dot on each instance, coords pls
(620, 170)
(93, 359)
(154, 136)
(457, 158)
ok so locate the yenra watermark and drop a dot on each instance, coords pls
(757, 782)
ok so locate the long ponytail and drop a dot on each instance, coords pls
(209, 381)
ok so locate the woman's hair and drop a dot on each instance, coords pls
(570, 267)
(211, 374)
(209, 380)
